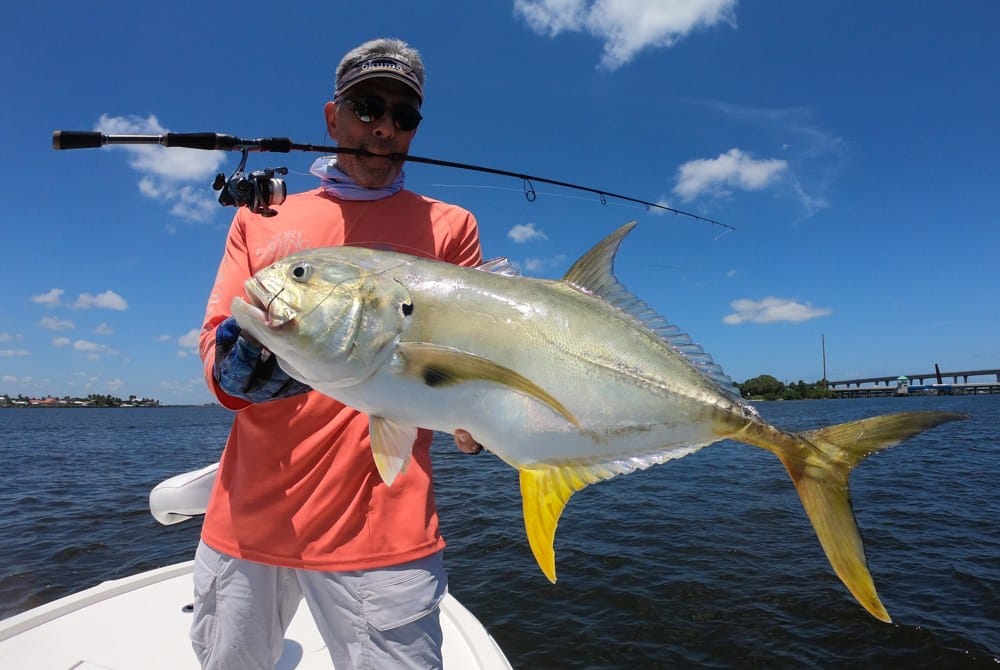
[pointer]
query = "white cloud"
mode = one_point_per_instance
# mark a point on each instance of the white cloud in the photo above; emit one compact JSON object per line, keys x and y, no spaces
{"x":61,"y":341}
{"x":106,"y":300}
{"x":522,"y":233}
{"x":162,"y":338}
{"x":733,"y":169}
{"x":815,"y":155}
{"x":541,"y":265}
{"x":10,"y":337}
{"x":190,"y":339}
{"x":103,"y":329}
{"x":93,"y":350}
{"x":165,"y":171}
{"x":625,"y":26}
{"x":51,"y":298}
{"x":53,"y":323}
{"x":12,"y":353}
{"x":771,"y":310}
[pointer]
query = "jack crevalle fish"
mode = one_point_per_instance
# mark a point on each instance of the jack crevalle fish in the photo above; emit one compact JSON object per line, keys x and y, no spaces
{"x":571,"y":382}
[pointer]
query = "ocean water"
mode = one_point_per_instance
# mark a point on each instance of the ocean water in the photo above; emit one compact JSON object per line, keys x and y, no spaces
{"x":708,"y":561}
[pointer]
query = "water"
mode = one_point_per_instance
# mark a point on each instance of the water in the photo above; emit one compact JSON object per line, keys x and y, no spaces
{"x":707,"y":561}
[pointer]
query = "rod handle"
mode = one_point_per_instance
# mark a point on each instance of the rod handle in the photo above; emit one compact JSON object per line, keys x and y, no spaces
{"x":76,"y":139}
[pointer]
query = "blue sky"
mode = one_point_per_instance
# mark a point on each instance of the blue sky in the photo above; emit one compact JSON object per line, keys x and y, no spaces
{"x":852,"y":145}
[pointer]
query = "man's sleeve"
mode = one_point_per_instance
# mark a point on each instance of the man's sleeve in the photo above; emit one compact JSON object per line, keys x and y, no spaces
{"x":233,"y":271}
{"x":465,"y":248}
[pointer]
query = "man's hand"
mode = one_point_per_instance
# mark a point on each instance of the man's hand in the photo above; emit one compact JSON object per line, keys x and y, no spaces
{"x":244,"y":369}
{"x":465,"y":442}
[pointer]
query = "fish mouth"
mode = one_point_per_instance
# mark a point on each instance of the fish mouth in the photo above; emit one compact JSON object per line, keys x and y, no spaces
{"x":267,"y":305}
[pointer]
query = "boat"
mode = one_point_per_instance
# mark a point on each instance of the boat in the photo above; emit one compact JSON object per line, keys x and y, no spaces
{"x":142,"y":621}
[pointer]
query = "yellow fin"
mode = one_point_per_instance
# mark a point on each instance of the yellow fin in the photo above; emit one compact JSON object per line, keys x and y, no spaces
{"x":392,"y":446}
{"x":545,"y":491}
{"x":820,"y":472}
{"x":443,"y":366}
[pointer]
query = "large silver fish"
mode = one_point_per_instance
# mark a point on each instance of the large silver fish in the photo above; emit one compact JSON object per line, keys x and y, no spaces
{"x":570,"y":382}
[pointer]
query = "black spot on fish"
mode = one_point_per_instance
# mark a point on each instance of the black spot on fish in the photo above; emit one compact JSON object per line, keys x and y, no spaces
{"x":407,"y":308}
{"x":435,"y":377}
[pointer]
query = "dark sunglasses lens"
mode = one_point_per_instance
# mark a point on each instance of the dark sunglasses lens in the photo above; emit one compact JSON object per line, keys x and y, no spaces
{"x":368,"y":109}
{"x":406,"y":118}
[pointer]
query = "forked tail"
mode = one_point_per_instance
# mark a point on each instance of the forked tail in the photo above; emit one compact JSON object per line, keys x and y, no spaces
{"x":820,"y":462}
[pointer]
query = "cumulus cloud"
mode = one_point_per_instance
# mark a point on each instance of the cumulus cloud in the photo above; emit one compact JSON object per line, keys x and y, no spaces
{"x":103,"y":329}
{"x":733,"y":169}
{"x":189,"y":343}
{"x":190,"y":339}
{"x":625,"y":26}
{"x":106,"y":300}
{"x":541,"y":265}
{"x":10,"y":337}
{"x":51,"y":299}
{"x":816,"y":156}
{"x":772,"y":310}
{"x":53,"y":323}
{"x":522,"y":233}
{"x":93,"y":350}
{"x":13,"y":353}
{"x":166,"y":172}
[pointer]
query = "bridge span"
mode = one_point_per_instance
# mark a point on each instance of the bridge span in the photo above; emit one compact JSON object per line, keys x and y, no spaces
{"x":869,"y":387}
{"x":920,"y":378}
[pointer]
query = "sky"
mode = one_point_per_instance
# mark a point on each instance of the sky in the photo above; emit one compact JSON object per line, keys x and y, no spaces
{"x":852,"y":146}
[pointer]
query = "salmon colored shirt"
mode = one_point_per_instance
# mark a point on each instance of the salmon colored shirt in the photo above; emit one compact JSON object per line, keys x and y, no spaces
{"x":297,"y":485}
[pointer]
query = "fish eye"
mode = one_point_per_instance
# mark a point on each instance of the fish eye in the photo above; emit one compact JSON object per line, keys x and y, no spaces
{"x":302,"y":272}
{"x":406,"y":308}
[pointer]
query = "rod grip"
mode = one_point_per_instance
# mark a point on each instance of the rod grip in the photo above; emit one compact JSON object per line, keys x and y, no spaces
{"x":76,"y":139}
{"x":209,"y":141}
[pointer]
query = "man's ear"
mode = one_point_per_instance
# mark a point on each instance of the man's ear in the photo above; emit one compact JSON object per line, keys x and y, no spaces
{"x":330,"y":112}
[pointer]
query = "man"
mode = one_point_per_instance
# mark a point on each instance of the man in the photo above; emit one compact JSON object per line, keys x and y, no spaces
{"x":298,"y":509}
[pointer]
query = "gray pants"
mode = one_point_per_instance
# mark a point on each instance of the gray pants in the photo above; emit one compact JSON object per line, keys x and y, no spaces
{"x":372,"y":619}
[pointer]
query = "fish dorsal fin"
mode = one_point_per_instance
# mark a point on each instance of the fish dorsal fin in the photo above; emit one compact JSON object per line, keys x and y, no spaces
{"x":445,"y":366}
{"x":500,"y":266}
{"x":392,"y":446}
{"x":594,"y":273}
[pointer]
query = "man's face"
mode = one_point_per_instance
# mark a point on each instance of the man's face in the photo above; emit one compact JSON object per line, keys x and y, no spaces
{"x":379,"y":136}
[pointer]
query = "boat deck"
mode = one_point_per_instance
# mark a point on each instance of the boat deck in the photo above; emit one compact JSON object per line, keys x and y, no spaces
{"x":142,"y":622}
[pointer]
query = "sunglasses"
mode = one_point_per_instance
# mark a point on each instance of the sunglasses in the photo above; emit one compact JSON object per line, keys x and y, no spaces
{"x":369,"y":108}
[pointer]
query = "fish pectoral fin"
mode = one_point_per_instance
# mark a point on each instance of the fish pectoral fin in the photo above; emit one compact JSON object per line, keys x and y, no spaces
{"x":545,"y":490}
{"x":444,"y":366}
{"x":392,"y":446}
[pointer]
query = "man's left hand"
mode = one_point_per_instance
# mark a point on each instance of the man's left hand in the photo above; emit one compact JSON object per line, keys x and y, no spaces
{"x":464,"y":441}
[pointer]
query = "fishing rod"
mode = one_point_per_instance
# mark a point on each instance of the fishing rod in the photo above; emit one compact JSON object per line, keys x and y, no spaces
{"x":261,"y":189}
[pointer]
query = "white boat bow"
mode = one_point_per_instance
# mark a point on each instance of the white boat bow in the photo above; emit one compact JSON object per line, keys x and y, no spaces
{"x":141,"y":622}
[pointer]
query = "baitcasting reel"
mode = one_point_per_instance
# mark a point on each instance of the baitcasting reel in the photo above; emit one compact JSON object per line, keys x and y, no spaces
{"x":257,"y":191}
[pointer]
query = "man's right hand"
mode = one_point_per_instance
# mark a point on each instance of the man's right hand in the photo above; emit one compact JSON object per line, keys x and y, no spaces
{"x":246,"y":370}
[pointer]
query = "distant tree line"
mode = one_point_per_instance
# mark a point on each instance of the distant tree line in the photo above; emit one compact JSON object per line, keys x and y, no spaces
{"x":92,"y":400}
{"x":766,"y":387}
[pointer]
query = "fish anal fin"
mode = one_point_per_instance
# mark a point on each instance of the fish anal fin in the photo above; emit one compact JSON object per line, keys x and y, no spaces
{"x":544,"y":493}
{"x":445,"y":366}
{"x":392,"y":446}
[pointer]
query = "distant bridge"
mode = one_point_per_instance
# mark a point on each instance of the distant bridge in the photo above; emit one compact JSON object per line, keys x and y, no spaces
{"x":919,"y":378}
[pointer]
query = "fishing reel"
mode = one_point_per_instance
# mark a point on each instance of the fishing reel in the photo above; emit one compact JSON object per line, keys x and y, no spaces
{"x":257,"y":191}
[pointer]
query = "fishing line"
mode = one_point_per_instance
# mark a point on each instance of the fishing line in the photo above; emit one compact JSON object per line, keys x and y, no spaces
{"x":261,"y":188}
{"x":548,"y":194}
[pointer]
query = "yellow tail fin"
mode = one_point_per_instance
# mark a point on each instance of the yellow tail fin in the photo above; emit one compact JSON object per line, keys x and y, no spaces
{"x":820,"y":464}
